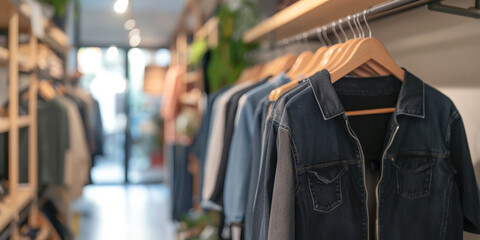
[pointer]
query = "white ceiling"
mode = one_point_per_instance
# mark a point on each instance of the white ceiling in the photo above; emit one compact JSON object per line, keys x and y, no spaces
{"x":101,"y":26}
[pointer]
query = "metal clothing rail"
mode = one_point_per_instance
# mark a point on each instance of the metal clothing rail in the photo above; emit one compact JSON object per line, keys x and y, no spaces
{"x":353,"y":21}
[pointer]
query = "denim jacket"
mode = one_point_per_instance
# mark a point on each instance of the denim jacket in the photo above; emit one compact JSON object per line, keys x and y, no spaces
{"x":427,"y":187}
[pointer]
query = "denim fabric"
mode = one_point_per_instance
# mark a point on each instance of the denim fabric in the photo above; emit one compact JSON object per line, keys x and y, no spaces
{"x":182,"y":181}
{"x":232,"y":107}
{"x":427,"y":188}
{"x":256,"y":146}
{"x":237,"y":176}
{"x":263,"y":193}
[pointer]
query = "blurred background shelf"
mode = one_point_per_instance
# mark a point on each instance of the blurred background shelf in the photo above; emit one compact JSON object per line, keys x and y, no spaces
{"x":23,"y":121}
{"x":4,"y":124}
{"x":6,"y":216}
{"x":305,"y":15}
{"x":25,"y":195}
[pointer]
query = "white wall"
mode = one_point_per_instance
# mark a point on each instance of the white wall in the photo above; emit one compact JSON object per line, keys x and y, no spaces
{"x":444,"y":51}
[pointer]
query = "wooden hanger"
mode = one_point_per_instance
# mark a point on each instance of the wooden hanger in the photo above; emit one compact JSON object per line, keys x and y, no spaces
{"x":244,"y":75}
{"x":61,"y":89}
{"x":268,"y":68}
{"x":300,"y":63}
{"x":372,"y":51}
{"x":46,"y":91}
{"x":277,"y":92}
{"x":313,"y":62}
{"x":282,"y":63}
{"x":256,"y":71}
{"x":368,"y":50}
{"x":286,"y":63}
{"x":340,"y":55}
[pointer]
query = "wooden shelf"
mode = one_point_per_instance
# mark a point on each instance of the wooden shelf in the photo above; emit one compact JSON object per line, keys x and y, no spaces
{"x":25,"y":195}
{"x":6,"y":216}
{"x":23,"y":121}
{"x":25,"y":63}
{"x":54,"y":37}
{"x":305,"y":15}
{"x":5,"y":6}
{"x":4,"y":124}
{"x":3,"y":55}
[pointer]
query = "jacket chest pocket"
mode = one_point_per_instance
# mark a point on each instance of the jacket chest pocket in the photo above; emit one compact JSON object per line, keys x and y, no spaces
{"x":325,"y":186}
{"x":413,"y":175}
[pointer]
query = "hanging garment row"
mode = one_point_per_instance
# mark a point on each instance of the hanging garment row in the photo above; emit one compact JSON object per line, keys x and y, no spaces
{"x":69,"y":133}
{"x":337,"y":144}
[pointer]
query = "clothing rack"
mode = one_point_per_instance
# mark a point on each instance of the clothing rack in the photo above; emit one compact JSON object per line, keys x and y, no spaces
{"x":21,"y":204}
{"x":321,"y":32}
{"x":351,"y":21}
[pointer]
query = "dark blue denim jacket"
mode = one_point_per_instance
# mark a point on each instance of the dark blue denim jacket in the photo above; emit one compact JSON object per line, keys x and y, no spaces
{"x":427,"y":188}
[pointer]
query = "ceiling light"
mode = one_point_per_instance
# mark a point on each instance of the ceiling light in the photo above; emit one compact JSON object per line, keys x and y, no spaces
{"x":112,"y":53}
{"x":129,"y":24}
{"x":134,"y":32}
{"x":120,"y":6}
{"x":135,"y":41}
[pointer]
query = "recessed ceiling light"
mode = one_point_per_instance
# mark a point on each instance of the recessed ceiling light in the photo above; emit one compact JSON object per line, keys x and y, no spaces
{"x":120,"y":6}
{"x":134,"y":32}
{"x":135,"y":41}
{"x":112,"y":53}
{"x":129,"y":24}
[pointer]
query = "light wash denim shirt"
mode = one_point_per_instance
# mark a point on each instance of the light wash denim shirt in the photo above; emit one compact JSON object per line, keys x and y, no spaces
{"x":236,"y":182}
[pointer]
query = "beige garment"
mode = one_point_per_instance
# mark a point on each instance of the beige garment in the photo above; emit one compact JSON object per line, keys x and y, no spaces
{"x":174,"y":87}
{"x":77,"y":157}
{"x":215,"y":144}
{"x":90,"y":114}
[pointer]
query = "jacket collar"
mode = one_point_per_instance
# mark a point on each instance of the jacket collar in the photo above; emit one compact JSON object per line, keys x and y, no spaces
{"x":411,"y":99}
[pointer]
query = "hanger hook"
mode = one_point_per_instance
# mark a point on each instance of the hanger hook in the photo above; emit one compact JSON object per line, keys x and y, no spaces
{"x":356,"y":26}
{"x":351,"y":28}
{"x":324,"y":28}
{"x":334,"y":28}
{"x":320,"y":37}
{"x":366,"y":23}
{"x":305,"y":39}
{"x":340,"y":23}
{"x":362,"y":33}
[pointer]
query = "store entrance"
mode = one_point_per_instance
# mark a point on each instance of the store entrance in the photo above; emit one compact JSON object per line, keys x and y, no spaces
{"x":131,"y":126}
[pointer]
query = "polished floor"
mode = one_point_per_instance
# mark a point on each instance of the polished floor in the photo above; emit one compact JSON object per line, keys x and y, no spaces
{"x":123,"y":212}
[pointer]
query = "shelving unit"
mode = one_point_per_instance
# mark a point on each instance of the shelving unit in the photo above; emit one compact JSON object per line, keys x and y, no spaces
{"x":305,"y":15}
{"x":6,"y":216}
{"x":3,"y":55}
{"x":25,"y":64}
{"x":21,"y":203}
{"x":25,"y":196}
{"x":23,"y":121}
{"x":4,"y":124}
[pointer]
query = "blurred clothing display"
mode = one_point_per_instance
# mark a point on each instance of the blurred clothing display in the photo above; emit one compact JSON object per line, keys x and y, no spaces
{"x":174,"y":87}
{"x":77,"y":157}
{"x":64,"y":150}
{"x":53,"y":141}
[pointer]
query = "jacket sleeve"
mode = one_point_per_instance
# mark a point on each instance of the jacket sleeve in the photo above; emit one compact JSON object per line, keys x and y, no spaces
{"x":465,"y":176}
{"x":261,"y":206}
{"x":282,"y":217}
